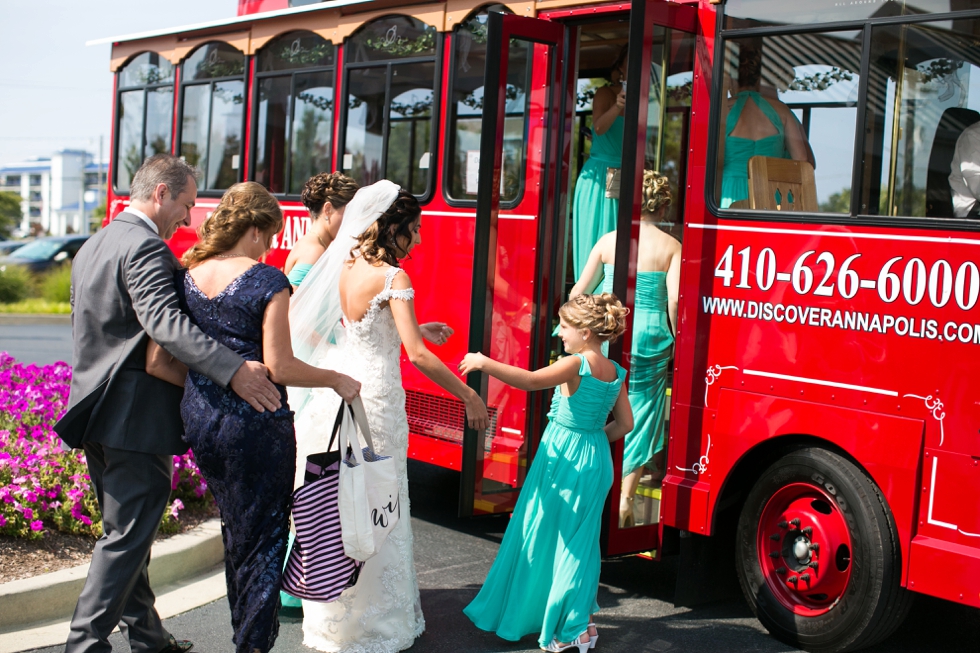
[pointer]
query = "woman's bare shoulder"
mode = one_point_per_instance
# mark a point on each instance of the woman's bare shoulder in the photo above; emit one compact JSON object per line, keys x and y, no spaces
{"x":607,"y":247}
{"x":605,"y":92}
{"x":671,"y":243}
{"x":400,"y":281}
{"x":307,"y":250}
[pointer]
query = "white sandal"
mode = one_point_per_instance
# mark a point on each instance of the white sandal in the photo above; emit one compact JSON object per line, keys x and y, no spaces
{"x":593,"y":638}
{"x":556,"y":647}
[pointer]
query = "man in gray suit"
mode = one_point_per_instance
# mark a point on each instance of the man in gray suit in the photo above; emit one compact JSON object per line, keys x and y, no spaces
{"x":128,"y":422}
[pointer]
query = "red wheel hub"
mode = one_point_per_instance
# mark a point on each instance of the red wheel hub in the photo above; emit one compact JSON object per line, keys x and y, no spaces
{"x":804,"y":549}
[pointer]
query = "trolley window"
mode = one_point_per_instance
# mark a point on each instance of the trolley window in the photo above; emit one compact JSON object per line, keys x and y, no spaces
{"x":466,"y":110}
{"x":294,"y":112}
{"x":144,"y":110}
{"x":390,"y":69}
{"x":790,"y":97}
{"x":212,"y":112}
{"x":755,"y":13}
{"x":922,"y":150}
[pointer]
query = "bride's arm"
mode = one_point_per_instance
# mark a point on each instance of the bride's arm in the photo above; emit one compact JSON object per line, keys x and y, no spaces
{"x":403,"y":310}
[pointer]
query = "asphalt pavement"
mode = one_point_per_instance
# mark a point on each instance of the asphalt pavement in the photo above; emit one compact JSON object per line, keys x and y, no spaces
{"x":41,"y":344}
{"x":453,"y":556}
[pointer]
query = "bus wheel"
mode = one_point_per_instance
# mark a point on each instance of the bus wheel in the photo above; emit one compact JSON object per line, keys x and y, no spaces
{"x":818,"y":554}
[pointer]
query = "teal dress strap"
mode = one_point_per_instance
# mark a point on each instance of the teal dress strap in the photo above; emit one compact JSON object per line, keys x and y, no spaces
{"x":298,"y":273}
{"x":583,"y":369}
{"x":620,"y":372}
{"x":761,"y":102}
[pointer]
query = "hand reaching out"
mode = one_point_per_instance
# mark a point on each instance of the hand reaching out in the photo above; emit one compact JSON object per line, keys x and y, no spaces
{"x":472,"y":363}
{"x":437,"y":333}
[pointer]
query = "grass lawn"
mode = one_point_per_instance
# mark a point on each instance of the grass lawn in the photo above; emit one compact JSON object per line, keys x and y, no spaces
{"x":35,"y":305}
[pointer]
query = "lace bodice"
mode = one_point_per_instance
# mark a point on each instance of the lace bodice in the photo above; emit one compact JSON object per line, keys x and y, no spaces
{"x":372,"y":352}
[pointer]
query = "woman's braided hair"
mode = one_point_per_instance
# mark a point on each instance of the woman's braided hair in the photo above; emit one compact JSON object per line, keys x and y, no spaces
{"x":242,"y":207}
{"x":334,"y":187}
{"x":379,"y":243}
{"x":656,"y":192}
{"x":603,"y":315}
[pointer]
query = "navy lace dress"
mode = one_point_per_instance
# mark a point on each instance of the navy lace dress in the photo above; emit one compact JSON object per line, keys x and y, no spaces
{"x":248,"y":458}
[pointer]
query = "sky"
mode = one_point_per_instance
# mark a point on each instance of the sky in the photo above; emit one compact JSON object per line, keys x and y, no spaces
{"x":56,"y":92}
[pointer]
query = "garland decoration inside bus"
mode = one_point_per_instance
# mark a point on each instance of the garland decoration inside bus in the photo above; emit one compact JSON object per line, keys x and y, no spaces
{"x":391,"y":68}
{"x":213,"y":113}
{"x":293,"y":130}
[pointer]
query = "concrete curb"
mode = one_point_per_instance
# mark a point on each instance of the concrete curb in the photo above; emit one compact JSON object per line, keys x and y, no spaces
{"x":48,"y":597}
{"x":22,"y":319}
{"x":171,"y":601}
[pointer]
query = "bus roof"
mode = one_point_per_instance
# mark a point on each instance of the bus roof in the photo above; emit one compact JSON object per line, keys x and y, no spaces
{"x":237,"y":20}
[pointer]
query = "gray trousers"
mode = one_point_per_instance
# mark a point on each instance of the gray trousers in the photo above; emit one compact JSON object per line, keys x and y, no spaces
{"x":132,"y":489}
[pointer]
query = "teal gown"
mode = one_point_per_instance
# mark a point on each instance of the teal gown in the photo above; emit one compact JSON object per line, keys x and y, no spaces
{"x":738,"y":151}
{"x":594,"y":214}
{"x":650,"y":355}
{"x":546,"y":574}
{"x":296,"y":276}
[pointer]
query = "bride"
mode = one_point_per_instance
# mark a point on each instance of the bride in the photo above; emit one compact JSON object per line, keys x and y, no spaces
{"x":360,"y":278}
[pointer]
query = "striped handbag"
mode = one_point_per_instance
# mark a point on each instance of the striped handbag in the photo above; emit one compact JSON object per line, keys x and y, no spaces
{"x":318,"y":569}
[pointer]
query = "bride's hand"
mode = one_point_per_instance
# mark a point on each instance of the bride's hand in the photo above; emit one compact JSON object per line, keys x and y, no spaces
{"x":347,"y":387}
{"x":471,"y":363}
{"x":476,"y":413}
{"x":436,"y":332}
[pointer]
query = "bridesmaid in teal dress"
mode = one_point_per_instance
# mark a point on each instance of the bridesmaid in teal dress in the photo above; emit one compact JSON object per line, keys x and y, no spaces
{"x":325,"y":196}
{"x":755,"y":126}
{"x":654,"y":318}
{"x":593,"y":213}
{"x":546,"y":575}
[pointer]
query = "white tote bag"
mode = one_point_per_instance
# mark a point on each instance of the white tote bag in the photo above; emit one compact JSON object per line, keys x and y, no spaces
{"x":369,"y":506}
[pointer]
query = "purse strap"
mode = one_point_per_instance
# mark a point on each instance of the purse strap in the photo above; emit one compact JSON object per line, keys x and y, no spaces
{"x":336,"y":424}
{"x":357,"y":412}
{"x":360,"y":418}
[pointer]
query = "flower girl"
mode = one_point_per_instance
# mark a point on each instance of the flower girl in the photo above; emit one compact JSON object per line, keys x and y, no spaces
{"x":546,"y":574}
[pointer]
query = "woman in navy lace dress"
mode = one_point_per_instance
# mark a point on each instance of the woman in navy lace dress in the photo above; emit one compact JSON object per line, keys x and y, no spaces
{"x":247,"y":457}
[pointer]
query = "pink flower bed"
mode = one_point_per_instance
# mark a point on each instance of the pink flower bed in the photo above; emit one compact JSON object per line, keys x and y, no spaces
{"x":41,"y":485}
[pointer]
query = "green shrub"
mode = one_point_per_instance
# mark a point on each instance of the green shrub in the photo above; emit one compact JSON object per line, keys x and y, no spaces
{"x":15,"y":284}
{"x":56,"y":285}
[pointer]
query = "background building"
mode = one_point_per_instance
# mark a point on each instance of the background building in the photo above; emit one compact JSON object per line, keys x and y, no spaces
{"x":58,"y":193}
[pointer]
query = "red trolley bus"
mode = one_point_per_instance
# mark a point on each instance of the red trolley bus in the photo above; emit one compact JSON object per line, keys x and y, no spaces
{"x":822,"y":435}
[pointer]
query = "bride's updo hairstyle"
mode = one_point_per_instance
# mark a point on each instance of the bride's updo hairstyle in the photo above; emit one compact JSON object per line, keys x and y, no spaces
{"x":242,"y":207}
{"x":656,"y":192}
{"x":379,"y":242}
{"x":603,"y":315}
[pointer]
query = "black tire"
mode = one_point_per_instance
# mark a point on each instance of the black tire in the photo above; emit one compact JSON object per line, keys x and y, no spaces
{"x":873,"y":604}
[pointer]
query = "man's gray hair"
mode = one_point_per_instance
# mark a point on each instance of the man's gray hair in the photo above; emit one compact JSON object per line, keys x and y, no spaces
{"x":161,"y":169}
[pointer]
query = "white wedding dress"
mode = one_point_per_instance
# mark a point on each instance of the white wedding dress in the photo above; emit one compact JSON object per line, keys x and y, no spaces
{"x":381,"y":613}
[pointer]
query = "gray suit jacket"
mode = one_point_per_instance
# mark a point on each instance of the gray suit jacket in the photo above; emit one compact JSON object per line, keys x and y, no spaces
{"x":122,"y":289}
